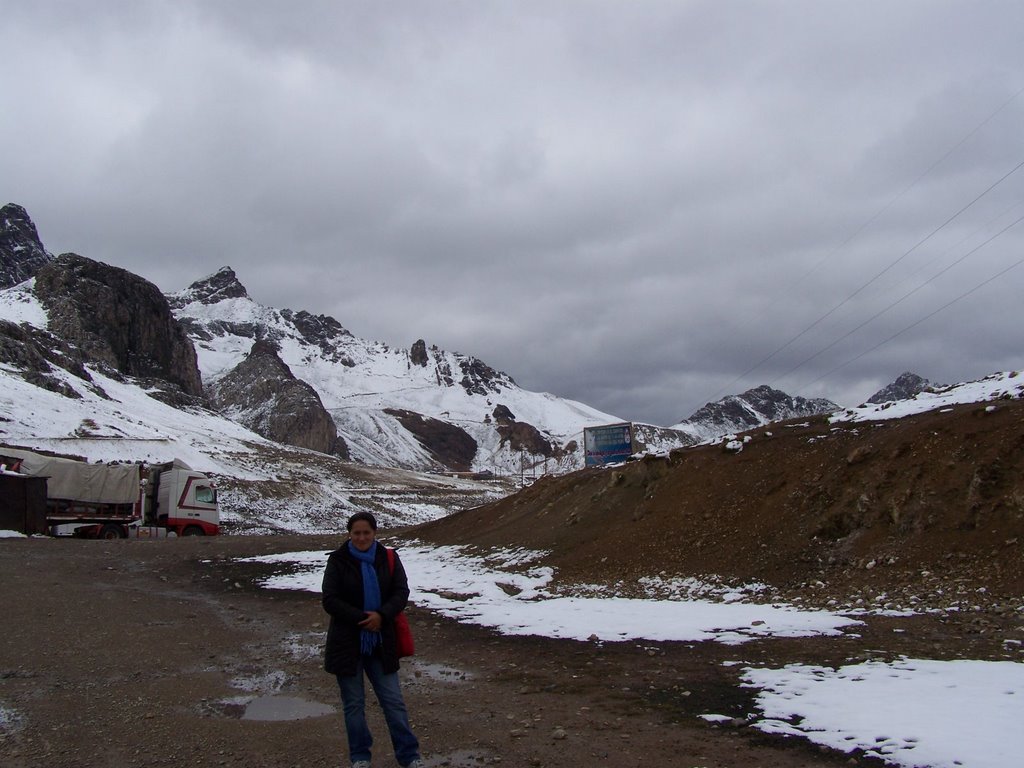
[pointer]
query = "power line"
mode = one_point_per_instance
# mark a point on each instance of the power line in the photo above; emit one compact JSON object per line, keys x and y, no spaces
{"x":865,"y":225}
{"x":962,"y":240}
{"x":930,"y":315}
{"x":898,"y":301}
{"x":872,"y":280}
{"x":906,"y":253}
{"x":906,"y":189}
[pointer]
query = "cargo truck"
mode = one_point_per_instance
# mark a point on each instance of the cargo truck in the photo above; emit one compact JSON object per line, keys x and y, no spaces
{"x":113,"y":501}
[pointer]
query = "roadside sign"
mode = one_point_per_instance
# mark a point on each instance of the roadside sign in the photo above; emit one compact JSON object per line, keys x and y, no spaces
{"x":608,"y":444}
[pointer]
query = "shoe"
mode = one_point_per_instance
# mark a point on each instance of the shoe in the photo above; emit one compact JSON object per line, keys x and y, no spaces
{"x":417,"y":763}
{"x":361,"y":764}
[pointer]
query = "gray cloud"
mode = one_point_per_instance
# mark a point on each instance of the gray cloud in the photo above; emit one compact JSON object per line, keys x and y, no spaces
{"x":628,"y":204}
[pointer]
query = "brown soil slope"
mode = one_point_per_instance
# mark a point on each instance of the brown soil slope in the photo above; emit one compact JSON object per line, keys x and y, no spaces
{"x":919,"y":505}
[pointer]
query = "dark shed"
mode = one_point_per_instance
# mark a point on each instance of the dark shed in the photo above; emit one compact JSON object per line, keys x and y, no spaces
{"x":22,"y":503}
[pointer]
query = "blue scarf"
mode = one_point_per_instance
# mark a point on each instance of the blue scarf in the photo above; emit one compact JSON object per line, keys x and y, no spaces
{"x":371,"y":594}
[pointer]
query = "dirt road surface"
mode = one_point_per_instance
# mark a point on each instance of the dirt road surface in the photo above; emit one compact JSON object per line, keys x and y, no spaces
{"x":152,"y":653}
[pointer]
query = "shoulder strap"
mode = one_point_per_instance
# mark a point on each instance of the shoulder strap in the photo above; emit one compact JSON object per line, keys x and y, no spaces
{"x":391,"y":559}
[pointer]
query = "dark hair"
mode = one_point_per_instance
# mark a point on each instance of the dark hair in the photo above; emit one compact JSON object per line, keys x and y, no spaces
{"x":362,"y":516}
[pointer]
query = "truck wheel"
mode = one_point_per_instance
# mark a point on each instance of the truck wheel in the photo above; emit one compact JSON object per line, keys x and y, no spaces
{"x":193,"y":530}
{"x":111,"y":531}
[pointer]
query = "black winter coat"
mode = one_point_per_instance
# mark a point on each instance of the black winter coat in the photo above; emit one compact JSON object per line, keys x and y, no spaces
{"x":343,"y":600}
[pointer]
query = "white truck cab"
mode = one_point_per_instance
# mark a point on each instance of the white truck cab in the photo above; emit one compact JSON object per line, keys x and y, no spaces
{"x":186,"y":502}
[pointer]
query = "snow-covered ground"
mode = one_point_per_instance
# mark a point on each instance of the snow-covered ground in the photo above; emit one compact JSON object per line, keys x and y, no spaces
{"x":19,"y":305}
{"x":913,"y":713}
{"x":517,"y":603}
{"x":126,"y":425}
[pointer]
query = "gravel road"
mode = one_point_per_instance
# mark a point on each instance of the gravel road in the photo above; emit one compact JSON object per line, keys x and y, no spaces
{"x":167,"y":653}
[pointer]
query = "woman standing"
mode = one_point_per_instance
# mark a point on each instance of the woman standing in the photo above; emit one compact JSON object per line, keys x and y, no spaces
{"x":363,"y":595}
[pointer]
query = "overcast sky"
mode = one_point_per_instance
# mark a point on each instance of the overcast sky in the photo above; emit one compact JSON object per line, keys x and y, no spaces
{"x":644,"y":206}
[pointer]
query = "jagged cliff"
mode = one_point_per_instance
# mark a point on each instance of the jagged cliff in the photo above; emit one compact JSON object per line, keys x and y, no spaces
{"x":262,"y":393}
{"x":21,"y":251}
{"x":117,"y":319}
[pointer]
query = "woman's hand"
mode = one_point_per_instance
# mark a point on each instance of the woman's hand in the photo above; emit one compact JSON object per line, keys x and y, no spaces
{"x":372,"y":622}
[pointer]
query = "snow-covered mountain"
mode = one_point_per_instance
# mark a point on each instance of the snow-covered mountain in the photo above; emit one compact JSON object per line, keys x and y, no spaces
{"x":108,"y":391}
{"x":303,"y":379}
{"x":93,"y":365}
{"x":289,"y":376}
{"x":906,"y":386}
{"x":754,"y":408}
{"x":401,"y":407}
{"x":263,"y":486}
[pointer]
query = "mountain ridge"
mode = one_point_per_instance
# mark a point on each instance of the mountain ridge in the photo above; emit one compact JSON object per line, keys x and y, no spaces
{"x":101,"y":394}
{"x":364,"y":384}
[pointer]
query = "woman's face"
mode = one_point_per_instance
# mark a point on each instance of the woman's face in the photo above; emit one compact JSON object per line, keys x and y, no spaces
{"x":362,"y":535}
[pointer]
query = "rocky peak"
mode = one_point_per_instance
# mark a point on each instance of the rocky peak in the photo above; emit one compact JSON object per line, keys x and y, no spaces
{"x":503,"y":415}
{"x":21,"y":251}
{"x":269,"y":349}
{"x":757,"y":406}
{"x":321,"y":330}
{"x":904,"y":388}
{"x":777,"y":405}
{"x":479,"y":378}
{"x":119,"y":319}
{"x":418,"y":353}
{"x":263,"y":394}
{"x":222,"y":284}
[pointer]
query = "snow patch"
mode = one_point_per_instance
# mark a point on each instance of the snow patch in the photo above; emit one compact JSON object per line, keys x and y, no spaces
{"x":477,"y":590}
{"x":910,"y":712}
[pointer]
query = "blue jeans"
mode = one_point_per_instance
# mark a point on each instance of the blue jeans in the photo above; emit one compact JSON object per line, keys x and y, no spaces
{"x":389,"y":694}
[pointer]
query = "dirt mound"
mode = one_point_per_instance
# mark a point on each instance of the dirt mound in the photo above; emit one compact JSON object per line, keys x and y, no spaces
{"x":925,"y":506}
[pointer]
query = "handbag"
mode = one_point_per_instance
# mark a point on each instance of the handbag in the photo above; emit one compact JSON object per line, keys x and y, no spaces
{"x":403,"y":634}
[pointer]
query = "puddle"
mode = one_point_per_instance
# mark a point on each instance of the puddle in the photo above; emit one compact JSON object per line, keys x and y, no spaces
{"x":423,"y":672}
{"x":285,"y":708}
{"x":263,"y":700}
{"x":233,"y":707}
{"x":265,"y":708}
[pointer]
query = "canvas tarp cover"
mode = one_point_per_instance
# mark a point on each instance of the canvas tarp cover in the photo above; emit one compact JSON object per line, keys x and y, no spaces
{"x":94,"y":483}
